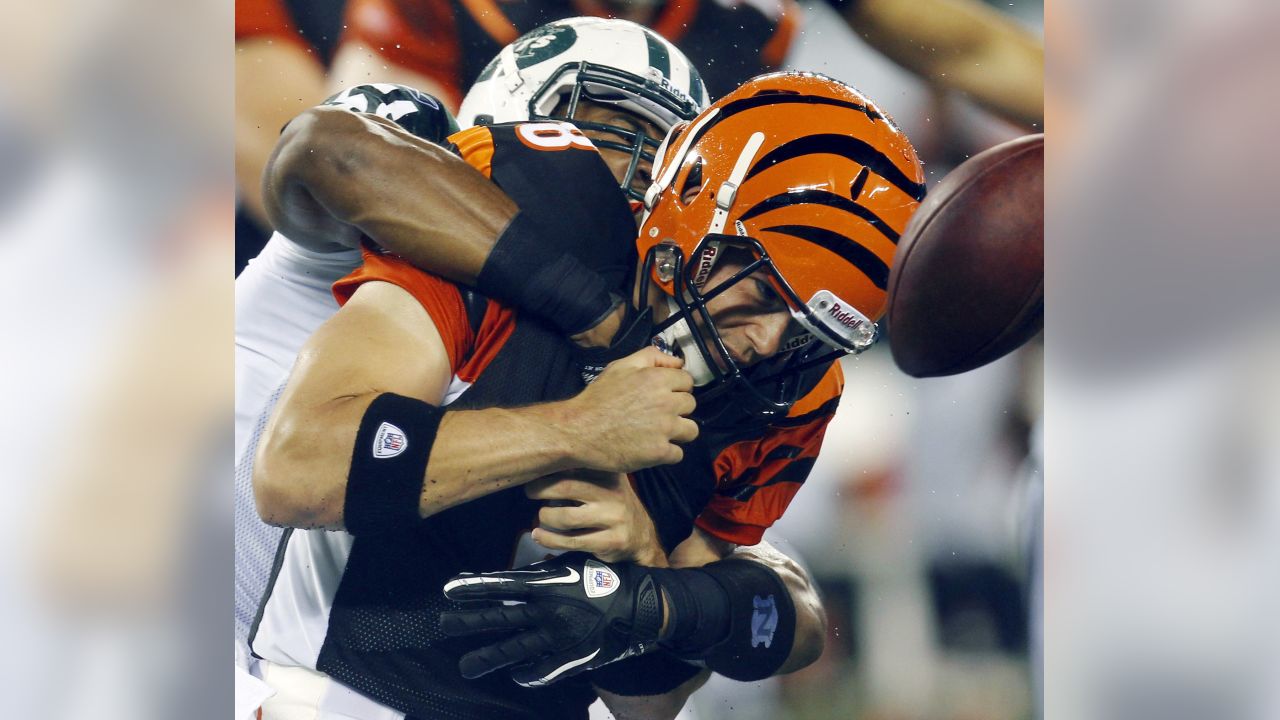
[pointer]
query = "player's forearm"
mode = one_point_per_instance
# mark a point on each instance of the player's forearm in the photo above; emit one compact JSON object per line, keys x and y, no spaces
{"x":962,"y":45}
{"x":811,"y":619}
{"x":274,"y":82}
{"x":408,"y":195}
{"x":305,"y":458}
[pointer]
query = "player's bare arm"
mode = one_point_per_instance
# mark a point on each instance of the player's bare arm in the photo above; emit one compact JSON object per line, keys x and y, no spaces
{"x":296,"y":81}
{"x":336,"y":175}
{"x":962,"y":45}
{"x":383,"y":341}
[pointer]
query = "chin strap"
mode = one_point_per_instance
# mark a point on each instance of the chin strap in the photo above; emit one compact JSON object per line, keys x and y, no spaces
{"x":681,"y":337}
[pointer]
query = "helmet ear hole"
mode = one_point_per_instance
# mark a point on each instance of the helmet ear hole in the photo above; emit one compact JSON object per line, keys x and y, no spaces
{"x":692,"y":183}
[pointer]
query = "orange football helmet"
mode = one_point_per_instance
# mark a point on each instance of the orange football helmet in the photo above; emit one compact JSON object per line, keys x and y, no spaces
{"x":812,"y":179}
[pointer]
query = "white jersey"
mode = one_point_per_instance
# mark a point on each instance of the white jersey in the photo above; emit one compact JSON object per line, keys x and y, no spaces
{"x":281,"y":298}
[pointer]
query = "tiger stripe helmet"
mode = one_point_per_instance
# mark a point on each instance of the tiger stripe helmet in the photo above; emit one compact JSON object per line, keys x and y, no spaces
{"x":803,"y":164}
{"x":807,"y":174}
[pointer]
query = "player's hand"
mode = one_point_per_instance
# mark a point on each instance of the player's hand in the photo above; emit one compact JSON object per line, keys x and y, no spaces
{"x":601,"y":335}
{"x":634,"y":415}
{"x":578,"y":614}
{"x":595,"y":512}
{"x":621,"y":333}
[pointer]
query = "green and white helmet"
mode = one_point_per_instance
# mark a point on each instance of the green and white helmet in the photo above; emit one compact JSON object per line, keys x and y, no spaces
{"x":609,"y":62}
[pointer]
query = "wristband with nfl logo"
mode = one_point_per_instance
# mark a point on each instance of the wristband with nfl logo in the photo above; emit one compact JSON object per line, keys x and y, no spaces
{"x":389,"y":464}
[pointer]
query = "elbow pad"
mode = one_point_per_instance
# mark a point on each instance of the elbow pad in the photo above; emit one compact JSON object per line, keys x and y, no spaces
{"x":415,"y":111}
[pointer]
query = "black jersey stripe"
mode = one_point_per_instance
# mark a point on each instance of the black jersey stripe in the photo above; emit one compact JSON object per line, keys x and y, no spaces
{"x":773,"y":98}
{"x":852,"y":148}
{"x":796,"y":471}
{"x":276,"y":566}
{"x":776,"y":98}
{"x":821,"y":197}
{"x":863,"y":259}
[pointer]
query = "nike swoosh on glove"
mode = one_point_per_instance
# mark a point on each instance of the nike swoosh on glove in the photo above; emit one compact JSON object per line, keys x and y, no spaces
{"x":577,"y":614}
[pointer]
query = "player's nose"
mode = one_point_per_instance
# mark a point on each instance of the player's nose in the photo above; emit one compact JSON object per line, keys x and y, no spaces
{"x":765,"y":334}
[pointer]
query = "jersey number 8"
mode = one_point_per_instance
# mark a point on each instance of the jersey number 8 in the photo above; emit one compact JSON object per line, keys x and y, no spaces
{"x":553,"y":136}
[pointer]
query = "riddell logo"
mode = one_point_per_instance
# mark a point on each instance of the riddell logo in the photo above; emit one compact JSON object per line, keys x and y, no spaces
{"x":844,"y":317}
{"x":705,"y":262}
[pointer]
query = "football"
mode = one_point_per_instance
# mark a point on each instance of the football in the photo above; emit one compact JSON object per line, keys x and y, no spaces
{"x":967,"y":283}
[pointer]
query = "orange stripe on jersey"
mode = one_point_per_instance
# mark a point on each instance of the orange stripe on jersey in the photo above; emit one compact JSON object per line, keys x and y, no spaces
{"x":440,"y":298}
{"x":498,"y":324}
{"x":742,"y":461}
{"x":830,"y":386}
{"x":475,"y":145}
{"x":745,"y":524}
{"x":675,"y":19}
{"x":757,"y":477}
{"x":492,"y":20}
{"x":774,"y":51}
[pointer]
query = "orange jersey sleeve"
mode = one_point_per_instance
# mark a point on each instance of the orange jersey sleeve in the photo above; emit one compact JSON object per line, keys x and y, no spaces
{"x":440,"y":298}
{"x":475,"y":145}
{"x":776,"y":50}
{"x":266,"y":18}
{"x":756,"y":478}
{"x":417,"y":35}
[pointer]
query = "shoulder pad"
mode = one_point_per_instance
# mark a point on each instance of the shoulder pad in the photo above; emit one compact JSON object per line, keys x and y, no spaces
{"x":413,"y":110}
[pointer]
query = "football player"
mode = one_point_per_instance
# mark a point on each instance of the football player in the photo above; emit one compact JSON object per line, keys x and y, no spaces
{"x":757,"y":313}
{"x":442,"y":46}
{"x":283,"y":295}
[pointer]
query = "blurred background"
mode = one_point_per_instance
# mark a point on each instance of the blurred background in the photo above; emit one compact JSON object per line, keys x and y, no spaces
{"x":1156,"y":417}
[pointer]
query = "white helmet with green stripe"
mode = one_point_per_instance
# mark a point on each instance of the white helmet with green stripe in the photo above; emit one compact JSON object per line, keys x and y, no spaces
{"x":609,"y":62}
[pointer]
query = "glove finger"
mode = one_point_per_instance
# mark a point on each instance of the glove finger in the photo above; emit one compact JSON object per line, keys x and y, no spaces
{"x":514,"y":650}
{"x":547,"y":670}
{"x":470,"y":622}
{"x":486,"y":586}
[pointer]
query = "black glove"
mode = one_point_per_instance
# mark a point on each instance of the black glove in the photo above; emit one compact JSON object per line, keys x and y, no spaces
{"x":579,"y":613}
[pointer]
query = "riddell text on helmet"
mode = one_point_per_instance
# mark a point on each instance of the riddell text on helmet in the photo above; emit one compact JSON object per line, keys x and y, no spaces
{"x":705,"y":262}
{"x":844,"y":317}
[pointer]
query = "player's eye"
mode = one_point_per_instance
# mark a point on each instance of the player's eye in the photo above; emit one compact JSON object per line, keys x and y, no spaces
{"x":766,"y":296}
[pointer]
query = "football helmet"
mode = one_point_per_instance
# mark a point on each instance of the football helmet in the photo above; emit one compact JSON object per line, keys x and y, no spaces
{"x":813,"y":183}
{"x":609,"y":62}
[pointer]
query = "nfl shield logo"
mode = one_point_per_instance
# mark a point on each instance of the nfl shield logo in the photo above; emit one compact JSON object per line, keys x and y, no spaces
{"x":603,"y":580}
{"x":599,"y":580}
{"x":389,"y":441}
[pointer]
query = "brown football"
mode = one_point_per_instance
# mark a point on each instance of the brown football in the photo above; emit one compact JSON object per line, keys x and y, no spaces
{"x":967,"y":284}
